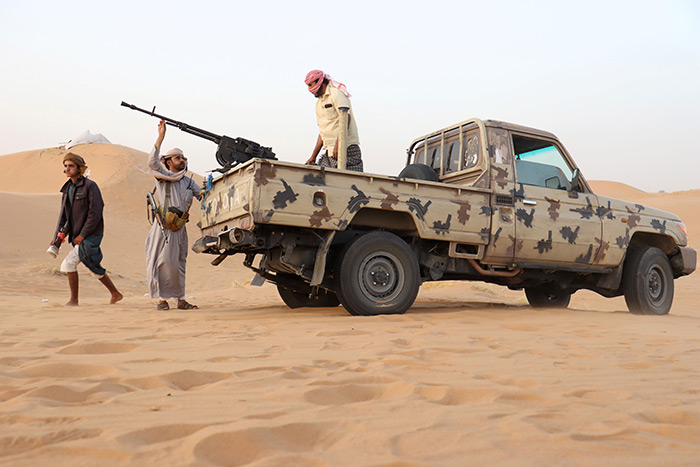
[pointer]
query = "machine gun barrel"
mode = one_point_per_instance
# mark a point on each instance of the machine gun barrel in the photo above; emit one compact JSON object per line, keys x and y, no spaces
{"x":230,"y":151}
{"x":187,"y":128}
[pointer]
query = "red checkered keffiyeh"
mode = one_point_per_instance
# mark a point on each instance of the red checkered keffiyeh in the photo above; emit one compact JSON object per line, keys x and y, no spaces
{"x":319,"y":76}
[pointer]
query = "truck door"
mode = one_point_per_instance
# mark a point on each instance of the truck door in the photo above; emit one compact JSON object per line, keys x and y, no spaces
{"x":554,"y":225}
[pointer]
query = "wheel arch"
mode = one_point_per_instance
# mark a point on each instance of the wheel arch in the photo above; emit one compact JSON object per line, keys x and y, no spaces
{"x":611,"y":283}
{"x":664,"y":243}
{"x":401,"y":223}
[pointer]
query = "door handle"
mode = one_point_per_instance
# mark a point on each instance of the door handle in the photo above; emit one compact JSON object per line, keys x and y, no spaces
{"x":530,"y":202}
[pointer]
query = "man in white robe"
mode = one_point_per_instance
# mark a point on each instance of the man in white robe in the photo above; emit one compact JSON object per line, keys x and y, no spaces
{"x":166,"y":261}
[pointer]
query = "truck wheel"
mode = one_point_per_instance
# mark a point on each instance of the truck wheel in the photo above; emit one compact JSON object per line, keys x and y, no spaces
{"x":419,"y":172}
{"x":300,"y":299}
{"x":544,"y":297}
{"x":377,"y":274}
{"x":647,"y":282}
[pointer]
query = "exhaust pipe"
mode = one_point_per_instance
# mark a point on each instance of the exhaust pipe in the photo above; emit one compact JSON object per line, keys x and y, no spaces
{"x":241,"y":237}
{"x":485,"y":272}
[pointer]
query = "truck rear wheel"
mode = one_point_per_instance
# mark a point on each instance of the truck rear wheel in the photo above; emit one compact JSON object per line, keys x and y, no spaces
{"x":545,"y":297}
{"x":377,"y":274}
{"x":647,"y":282}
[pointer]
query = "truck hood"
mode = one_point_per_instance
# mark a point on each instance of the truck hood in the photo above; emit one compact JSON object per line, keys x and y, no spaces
{"x":640,"y":208}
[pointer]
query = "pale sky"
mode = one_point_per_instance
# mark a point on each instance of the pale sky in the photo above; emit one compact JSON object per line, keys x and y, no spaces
{"x":617,"y":81}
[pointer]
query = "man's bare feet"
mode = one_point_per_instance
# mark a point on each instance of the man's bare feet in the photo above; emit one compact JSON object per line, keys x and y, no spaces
{"x":72,"y":303}
{"x":115,"y":298}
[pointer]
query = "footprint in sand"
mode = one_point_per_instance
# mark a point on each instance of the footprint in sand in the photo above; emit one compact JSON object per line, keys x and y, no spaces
{"x":66,"y":370}
{"x":19,"y":361}
{"x":243,"y":447}
{"x":360,"y":390}
{"x":58,"y":343}
{"x":58,"y":394}
{"x":18,"y":332}
{"x":607,"y":435}
{"x":446,"y":395}
{"x":159,"y":434}
{"x":184,"y":380}
{"x":669,"y":417}
{"x":522,"y":327}
{"x":10,"y":445}
{"x":302,"y":372}
{"x":260,"y":371}
{"x":64,"y":395}
{"x":600,"y":396}
{"x":221,"y":358}
{"x":16,"y":418}
{"x":349,"y":332}
{"x":522,"y":398}
{"x":266,"y":415}
{"x":554,"y":422}
{"x":505,"y":380}
{"x":96,"y":348}
{"x":189,"y":379}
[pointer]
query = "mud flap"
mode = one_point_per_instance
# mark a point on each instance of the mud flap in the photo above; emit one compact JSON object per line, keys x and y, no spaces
{"x":258,"y":280}
{"x":320,"y":263}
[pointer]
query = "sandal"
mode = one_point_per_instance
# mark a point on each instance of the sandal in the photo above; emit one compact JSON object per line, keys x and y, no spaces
{"x":163,"y":305}
{"x":184,"y":305}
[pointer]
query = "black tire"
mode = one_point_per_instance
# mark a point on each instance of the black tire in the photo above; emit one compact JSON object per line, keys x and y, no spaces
{"x":377,"y":274}
{"x":546,"y":297}
{"x":300,"y":298}
{"x":419,"y":172}
{"x":647,"y":282}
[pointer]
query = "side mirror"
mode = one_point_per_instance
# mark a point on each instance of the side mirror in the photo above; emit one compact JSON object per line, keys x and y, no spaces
{"x":576,"y":181}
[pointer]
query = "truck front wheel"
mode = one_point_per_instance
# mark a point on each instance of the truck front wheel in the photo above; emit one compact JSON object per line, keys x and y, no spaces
{"x":377,"y":274}
{"x":648,"y":282}
{"x":543,"y":297}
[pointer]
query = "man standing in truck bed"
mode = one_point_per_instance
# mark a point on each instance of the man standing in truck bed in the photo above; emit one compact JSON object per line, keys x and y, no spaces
{"x":333,"y":96}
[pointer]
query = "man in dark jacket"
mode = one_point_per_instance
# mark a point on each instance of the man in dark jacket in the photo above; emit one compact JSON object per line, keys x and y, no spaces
{"x":81,"y":215}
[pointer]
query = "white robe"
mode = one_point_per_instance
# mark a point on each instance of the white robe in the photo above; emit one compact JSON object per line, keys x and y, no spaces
{"x":166,"y":262}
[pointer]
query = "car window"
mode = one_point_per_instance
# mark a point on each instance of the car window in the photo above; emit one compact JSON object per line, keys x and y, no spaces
{"x":452,"y":153}
{"x":540,"y":163}
{"x":434,"y":157}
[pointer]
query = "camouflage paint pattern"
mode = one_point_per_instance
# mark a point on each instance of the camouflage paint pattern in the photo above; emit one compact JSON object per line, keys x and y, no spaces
{"x":289,"y":194}
{"x":511,"y":223}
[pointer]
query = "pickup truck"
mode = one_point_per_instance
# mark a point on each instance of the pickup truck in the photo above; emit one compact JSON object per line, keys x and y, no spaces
{"x":478,"y":201}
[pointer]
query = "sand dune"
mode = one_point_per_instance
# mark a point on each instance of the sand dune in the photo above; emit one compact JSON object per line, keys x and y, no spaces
{"x":471,"y":375}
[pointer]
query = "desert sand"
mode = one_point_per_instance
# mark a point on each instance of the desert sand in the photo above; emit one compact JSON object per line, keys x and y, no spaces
{"x":470,"y":375}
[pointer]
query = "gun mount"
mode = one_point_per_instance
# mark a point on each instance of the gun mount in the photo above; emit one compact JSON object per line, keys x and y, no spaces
{"x":230,"y":151}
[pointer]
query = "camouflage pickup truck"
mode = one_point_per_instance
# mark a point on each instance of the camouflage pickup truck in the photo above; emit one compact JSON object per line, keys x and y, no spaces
{"x":479,"y":201}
